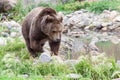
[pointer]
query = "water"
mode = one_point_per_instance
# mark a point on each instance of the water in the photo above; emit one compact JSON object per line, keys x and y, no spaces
{"x":111,"y":50}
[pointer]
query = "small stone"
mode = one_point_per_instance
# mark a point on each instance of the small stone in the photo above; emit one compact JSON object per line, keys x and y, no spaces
{"x":78,"y":12}
{"x":92,"y":44}
{"x":73,"y":76}
{"x":115,"y":40}
{"x":97,"y":25}
{"x":104,"y":29}
{"x":71,"y":62}
{"x":116,"y":19}
{"x":116,"y":79}
{"x":94,"y":53}
{"x":113,"y":14}
{"x":118,"y":62}
{"x":3,"y":41}
{"x":57,"y":59}
{"x":8,"y":5}
{"x":13,"y":34}
{"x":4,"y":34}
{"x":45,"y":57}
{"x":105,"y":24}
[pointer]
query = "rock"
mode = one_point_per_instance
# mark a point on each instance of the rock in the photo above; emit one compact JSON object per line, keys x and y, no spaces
{"x":73,"y":76}
{"x":77,"y":46}
{"x":64,"y":1}
{"x":104,"y":29}
{"x":113,"y":14}
{"x":105,"y":24}
{"x":84,"y":11}
{"x":97,"y":25}
{"x":78,"y":12}
{"x":71,"y":62}
{"x":4,"y":34}
{"x":45,"y":57}
{"x":94,"y":53}
{"x":114,"y":39}
{"x":10,"y":24}
{"x":118,"y":62}
{"x":24,"y":75}
{"x":83,"y":24}
{"x":92,"y":44}
{"x":8,"y":5}
{"x":116,"y":19}
{"x":57,"y":59}
{"x":65,"y":21}
{"x":3,"y":41}
{"x":13,"y":34}
{"x":116,"y":79}
{"x":39,"y":2}
{"x":112,"y":27}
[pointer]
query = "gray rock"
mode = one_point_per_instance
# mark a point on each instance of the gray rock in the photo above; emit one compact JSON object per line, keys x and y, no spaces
{"x":118,"y":62}
{"x":113,"y":14}
{"x":73,"y":76}
{"x":45,"y":57}
{"x":116,"y":19}
{"x":82,"y":24}
{"x":97,"y":25}
{"x":78,"y":12}
{"x":116,"y":79}
{"x":10,"y":24}
{"x":3,"y":41}
{"x":6,"y":5}
{"x":4,"y":34}
{"x":38,"y":2}
{"x":71,"y":62}
{"x":92,"y":44}
{"x":57,"y":59}
{"x":105,"y":24}
{"x":66,"y":21}
{"x":84,"y":11}
{"x":13,"y":34}
{"x":114,"y":39}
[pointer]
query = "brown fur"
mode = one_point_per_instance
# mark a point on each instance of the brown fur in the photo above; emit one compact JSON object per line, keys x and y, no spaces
{"x":40,"y":25}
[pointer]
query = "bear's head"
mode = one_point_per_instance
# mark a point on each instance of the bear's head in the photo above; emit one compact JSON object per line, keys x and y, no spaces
{"x":51,"y":24}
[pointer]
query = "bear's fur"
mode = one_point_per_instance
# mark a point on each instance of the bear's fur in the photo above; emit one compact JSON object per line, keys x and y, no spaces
{"x":40,"y":25}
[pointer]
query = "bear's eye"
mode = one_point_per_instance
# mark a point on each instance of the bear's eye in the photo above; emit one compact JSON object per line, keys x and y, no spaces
{"x":53,"y":31}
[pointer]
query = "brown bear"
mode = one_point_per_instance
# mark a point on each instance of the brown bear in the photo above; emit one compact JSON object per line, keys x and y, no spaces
{"x":40,"y":25}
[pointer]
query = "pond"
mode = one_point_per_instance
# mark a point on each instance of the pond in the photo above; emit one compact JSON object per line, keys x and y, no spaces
{"x":111,"y":50}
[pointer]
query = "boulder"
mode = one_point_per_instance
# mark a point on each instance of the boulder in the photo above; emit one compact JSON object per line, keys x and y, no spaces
{"x":45,"y":57}
{"x":73,"y":76}
{"x":6,"y":5}
{"x":3,"y":41}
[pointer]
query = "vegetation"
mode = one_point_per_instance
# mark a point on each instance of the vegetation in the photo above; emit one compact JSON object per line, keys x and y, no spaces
{"x":72,"y":5}
{"x":16,"y":64}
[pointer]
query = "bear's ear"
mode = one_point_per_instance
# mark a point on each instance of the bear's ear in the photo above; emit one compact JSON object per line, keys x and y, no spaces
{"x":60,"y":19}
{"x":60,"y":16}
{"x":47,"y":11}
{"x":49,"y":19}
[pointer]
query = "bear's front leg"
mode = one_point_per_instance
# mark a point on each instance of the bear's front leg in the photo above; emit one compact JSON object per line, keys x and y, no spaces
{"x":54,"y":46}
{"x":37,"y":46}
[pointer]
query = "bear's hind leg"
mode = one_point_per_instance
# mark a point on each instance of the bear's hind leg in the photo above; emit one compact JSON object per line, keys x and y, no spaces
{"x":32,"y":52}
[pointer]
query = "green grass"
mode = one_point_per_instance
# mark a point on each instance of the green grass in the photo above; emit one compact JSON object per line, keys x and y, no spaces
{"x":19,"y":12}
{"x":100,"y":6}
{"x":16,"y":62}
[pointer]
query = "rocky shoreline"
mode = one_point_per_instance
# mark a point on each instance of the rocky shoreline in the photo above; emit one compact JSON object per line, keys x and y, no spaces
{"x":81,"y":33}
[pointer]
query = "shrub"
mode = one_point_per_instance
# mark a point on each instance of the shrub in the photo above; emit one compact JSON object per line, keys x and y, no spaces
{"x":76,"y":6}
{"x":103,"y":71}
{"x":99,"y":6}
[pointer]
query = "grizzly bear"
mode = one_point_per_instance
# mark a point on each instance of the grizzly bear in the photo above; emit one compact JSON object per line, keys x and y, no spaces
{"x":40,"y":25}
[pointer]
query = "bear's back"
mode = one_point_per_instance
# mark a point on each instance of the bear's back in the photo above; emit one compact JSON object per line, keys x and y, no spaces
{"x":28,"y":20}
